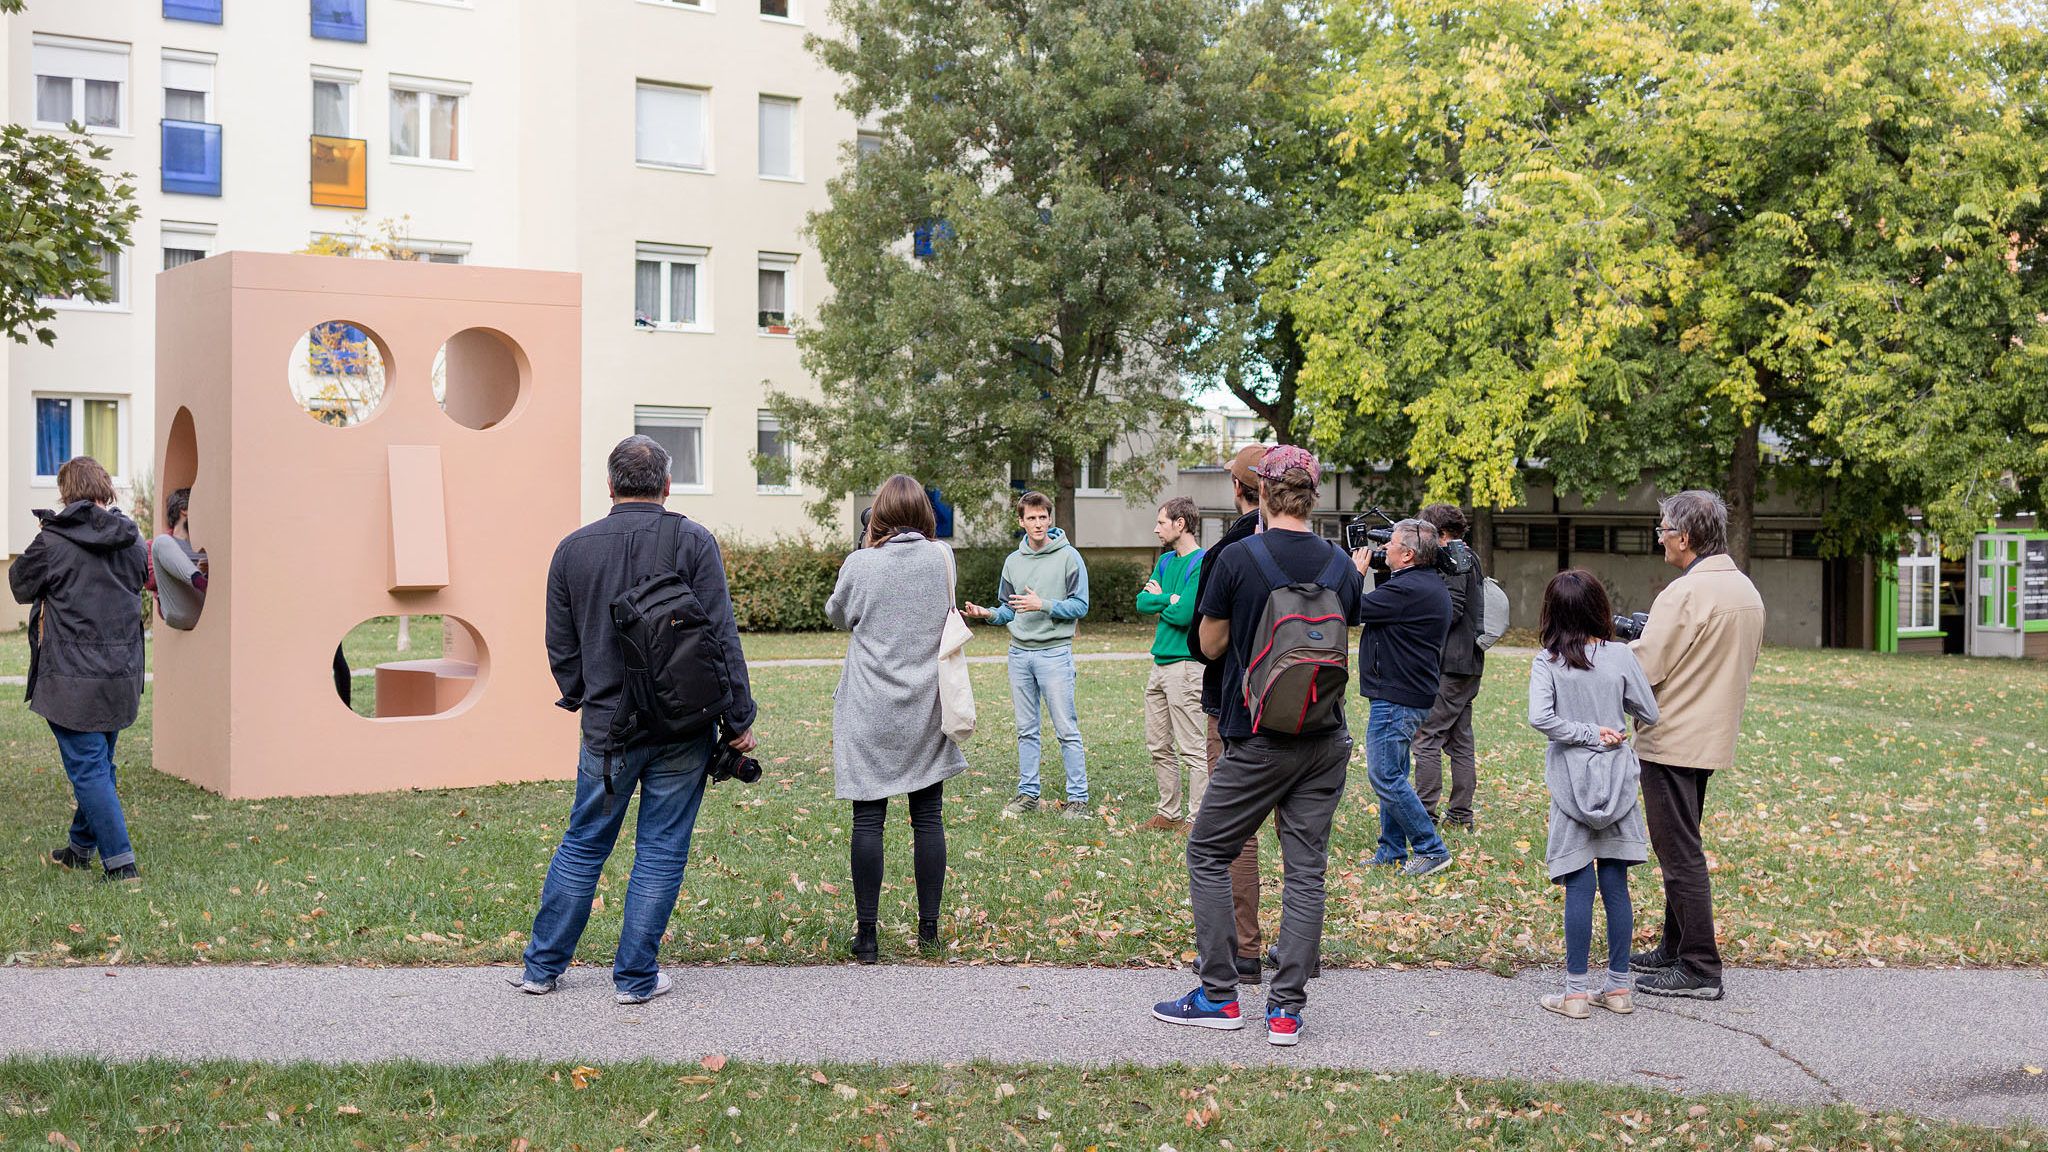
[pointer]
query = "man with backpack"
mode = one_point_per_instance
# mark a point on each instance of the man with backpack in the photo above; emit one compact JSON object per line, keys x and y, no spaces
{"x":1276,"y":609}
{"x":1403,"y":622}
{"x":1448,"y":727}
{"x":642,"y":641}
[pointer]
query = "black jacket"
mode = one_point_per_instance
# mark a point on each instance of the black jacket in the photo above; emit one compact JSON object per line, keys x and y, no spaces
{"x":1462,"y":654}
{"x":592,"y":566}
{"x":1212,"y":670}
{"x":1400,"y":648}
{"x":83,"y":573}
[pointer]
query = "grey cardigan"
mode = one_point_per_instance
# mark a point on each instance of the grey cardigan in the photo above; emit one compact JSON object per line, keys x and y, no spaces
{"x":886,"y":735}
{"x":1593,"y":809}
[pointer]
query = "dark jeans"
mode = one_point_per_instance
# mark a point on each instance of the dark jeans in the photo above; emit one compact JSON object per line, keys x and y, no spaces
{"x":1404,"y":825}
{"x":670,"y":778}
{"x":1299,"y":780}
{"x":1578,"y":915}
{"x":1244,"y":873}
{"x":97,"y":823}
{"x":1448,"y":730}
{"x":1673,"y":800}
{"x":927,"y":852}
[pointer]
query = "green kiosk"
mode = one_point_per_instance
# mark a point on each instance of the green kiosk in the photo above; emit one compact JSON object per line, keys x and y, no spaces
{"x":2008,"y":606}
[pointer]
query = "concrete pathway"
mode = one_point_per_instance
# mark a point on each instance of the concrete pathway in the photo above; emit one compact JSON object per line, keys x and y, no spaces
{"x":1945,"y":1044}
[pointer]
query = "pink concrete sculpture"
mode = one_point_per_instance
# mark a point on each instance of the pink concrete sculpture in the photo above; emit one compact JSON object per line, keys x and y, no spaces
{"x":416,"y":454}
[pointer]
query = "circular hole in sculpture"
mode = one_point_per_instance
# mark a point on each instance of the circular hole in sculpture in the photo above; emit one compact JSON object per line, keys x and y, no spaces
{"x":479,"y":375}
{"x":337,"y":373}
{"x":178,"y":561}
{"x":409,"y":667}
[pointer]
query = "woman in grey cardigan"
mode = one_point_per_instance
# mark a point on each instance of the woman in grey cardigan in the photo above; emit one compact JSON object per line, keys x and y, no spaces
{"x":1580,"y":687}
{"x":894,"y":594}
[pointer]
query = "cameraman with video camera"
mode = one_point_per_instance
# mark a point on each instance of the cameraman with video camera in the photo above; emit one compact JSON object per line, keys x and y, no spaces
{"x":1447,"y":730}
{"x":1405,"y":619}
{"x":669,"y":720}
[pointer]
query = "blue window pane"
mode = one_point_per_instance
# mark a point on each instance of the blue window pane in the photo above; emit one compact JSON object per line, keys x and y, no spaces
{"x":197,"y":11}
{"x":191,"y":157}
{"x":925,"y":238}
{"x":53,"y":435}
{"x":338,"y":349}
{"x":942,"y":512}
{"x":341,"y":20}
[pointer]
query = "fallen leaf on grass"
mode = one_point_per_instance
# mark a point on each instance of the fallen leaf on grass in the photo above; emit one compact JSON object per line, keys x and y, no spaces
{"x":348,"y":1110}
{"x":581,"y":1075}
{"x":846,"y":1091}
{"x":63,"y":1141}
{"x":712,"y":1063}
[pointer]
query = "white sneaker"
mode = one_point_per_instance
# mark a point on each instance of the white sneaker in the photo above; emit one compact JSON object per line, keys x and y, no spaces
{"x":662,"y":987}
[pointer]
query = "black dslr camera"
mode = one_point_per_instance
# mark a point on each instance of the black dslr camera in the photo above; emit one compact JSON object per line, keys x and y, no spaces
{"x":729,"y":763}
{"x":1630,"y":627}
{"x":1453,"y":557}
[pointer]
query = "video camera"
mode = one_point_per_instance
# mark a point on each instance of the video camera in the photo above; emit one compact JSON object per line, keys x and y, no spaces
{"x":1453,"y":557}
{"x":1630,"y":627}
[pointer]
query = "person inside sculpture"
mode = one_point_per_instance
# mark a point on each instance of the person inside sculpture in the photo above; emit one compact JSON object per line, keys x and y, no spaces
{"x":177,"y":571}
{"x":82,"y":577}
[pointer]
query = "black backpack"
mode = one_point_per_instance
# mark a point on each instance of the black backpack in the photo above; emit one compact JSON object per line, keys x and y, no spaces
{"x":675,"y":683}
{"x":1302,"y":660}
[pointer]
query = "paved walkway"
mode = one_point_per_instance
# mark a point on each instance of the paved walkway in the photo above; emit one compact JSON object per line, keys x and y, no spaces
{"x":1944,"y":1044}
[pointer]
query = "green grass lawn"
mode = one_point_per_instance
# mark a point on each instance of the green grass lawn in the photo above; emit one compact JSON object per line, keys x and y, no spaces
{"x":530,"y":1107}
{"x":1886,"y":809}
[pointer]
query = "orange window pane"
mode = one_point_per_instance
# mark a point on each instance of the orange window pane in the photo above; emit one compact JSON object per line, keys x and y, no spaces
{"x":340,"y":172}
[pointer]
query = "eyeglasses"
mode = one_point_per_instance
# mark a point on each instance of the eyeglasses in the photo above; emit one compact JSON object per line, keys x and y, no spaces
{"x":1663,"y":530}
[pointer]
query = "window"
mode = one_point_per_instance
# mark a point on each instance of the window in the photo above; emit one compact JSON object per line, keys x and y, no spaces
{"x":776,"y":276}
{"x":341,"y":20}
{"x":432,"y":251}
{"x":778,"y":138}
{"x":1633,"y":541}
{"x":1920,"y":584}
{"x":188,"y":85}
{"x":669,"y":289}
{"x":771,"y":455}
{"x":1095,"y":471}
{"x":777,"y":9}
{"x":197,"y":11}
{"x":334,"y":103}
{"x":669,"y":126}
{"x":681,"y":431}
{"x":80,"y":80}
{"x":68,"y":426}
{"x":185,"y":243}
{"x":1589,"y":538}
{"x":111,"y":267}
{"x":866,"y":144}
{"x":1543,"y":537}
{"x":426,"y":120}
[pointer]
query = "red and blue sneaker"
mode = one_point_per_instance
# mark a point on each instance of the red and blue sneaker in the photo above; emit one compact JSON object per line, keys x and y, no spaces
{"x":1196,"y":1010}
{"x":1283,"y":1027}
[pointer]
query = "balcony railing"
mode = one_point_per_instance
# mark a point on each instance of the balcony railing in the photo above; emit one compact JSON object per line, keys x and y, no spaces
{"x":191,"y":157}
{"x":197,"y":11}
{"x":341,"y":20}
{"x":340,"y":172}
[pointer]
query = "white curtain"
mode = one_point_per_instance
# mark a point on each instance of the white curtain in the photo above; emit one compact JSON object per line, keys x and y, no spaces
{"x":102,"y":104}
{"x":446,"y":126}
{"x":778,"y":137}
{"x":669,"y":126}
{"x":682,"y":293}
{"x":646,"y":291}
{"x":330,"y":108}
{"x":405,"y":123}
{"x":53,"y":99}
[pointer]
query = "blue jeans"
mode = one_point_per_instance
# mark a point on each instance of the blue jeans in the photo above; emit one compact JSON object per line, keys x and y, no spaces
{"x":1405,"y":825}
{"x":97,"y":824}
{"x":671,"y":781}
{"x":1612,"y":877}
{"x":1047,"y":674}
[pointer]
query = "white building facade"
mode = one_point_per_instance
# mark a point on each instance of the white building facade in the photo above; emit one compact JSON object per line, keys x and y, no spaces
{"x":667,"y":151}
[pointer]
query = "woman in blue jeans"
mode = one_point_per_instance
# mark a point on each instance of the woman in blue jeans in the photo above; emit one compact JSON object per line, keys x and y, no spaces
{"x":82,"y":576}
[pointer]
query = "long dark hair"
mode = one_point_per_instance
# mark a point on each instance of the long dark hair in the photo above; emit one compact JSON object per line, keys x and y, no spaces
{"x":1576,"y":612}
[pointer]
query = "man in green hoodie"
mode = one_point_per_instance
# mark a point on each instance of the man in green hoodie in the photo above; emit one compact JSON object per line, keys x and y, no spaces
{"x":1174,"y":725}
{"x":1044,"y":591}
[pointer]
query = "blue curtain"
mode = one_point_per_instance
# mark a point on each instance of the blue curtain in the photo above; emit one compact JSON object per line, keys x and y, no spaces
{"x":53,"y":435}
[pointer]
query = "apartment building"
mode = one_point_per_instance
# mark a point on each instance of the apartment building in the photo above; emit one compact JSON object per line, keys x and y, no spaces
{"x":668,"y":151}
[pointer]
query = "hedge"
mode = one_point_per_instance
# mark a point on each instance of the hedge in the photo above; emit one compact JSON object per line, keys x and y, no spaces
{"x":782,"y":586}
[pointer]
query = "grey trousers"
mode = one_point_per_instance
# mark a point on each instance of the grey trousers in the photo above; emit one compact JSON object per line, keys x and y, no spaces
{"x":1299,"y":780}
{"x":1448,"y":729}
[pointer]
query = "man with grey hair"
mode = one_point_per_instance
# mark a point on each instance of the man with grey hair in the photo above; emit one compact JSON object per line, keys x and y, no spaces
{"x":1400,"y":652}
{"x":592,"y":567}
{"x":1698,"y":651}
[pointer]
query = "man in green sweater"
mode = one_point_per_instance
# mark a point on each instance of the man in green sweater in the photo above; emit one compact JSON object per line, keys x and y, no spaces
{"x":1174,"y":725}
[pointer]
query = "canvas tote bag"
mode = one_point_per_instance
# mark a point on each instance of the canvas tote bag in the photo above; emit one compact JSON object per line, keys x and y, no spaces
{"x":956,"y":691}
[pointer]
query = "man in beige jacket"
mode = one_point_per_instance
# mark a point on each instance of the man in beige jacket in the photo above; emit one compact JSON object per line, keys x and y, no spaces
{"x":1698,"y":650}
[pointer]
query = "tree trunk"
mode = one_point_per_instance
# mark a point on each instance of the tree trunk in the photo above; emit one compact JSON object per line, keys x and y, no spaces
{"x":405,"y":633}
{"x":1743,"y":468}
{"x":1066,"y":478}
{"x":1481,"y":538}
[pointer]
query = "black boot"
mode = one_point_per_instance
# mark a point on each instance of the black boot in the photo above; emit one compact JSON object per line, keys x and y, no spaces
{"x":866,"y":949}
{"x":928,"y":935}
{"x":68,"y":857}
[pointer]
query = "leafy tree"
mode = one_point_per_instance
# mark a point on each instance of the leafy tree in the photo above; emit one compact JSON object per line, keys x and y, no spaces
{"x":1013,"y":268}
{"x":60,"y":214}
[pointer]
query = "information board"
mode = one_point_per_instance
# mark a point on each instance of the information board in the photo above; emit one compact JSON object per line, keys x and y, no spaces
{"x":2034,"y":581}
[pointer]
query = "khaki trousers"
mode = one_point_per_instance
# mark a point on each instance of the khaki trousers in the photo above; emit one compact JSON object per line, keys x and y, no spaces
{"x":1173,"y":732}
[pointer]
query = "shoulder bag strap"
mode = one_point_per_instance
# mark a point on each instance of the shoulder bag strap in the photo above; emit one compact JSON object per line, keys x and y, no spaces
{"x":1333,"y":573}
{"x":1263,"y":557}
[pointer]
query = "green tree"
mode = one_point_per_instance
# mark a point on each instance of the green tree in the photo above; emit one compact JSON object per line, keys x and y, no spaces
{"x":61,"y":213}
{"x":1014,"y":266}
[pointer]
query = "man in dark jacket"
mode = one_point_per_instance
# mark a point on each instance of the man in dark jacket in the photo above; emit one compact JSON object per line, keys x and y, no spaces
{"x":83,"y":575}
{"x":1448,"y":727}
{"x":591,"y":568}
{"x":1405,"y":618}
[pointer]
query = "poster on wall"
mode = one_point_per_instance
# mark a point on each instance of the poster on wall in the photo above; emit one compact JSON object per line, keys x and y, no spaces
{"x":2034,"y":582}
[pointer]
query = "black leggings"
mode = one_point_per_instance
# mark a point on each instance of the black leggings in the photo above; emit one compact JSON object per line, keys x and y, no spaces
{"x":928,"y":852}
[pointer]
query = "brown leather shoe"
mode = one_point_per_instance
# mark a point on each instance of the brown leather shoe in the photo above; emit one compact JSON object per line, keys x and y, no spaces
{"x":1161,"y":824}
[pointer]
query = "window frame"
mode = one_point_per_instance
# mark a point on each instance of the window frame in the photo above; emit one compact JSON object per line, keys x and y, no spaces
{"x":683,"y":5}
{"x":795,"y":175}
{"x":427,"y":88}
{"x":425,"y":251}
{"x":351,"y":82}
{"x":704,"y":122}
{"x":763,"y":417}
{"x":206,"y":60}
{"x":1089,"y":484}
{"x":119,"y":279}
{"x":785,"y":263}
{"x":113,"y":48}
{"x":204,"y":233}
{"x":123,"y":433}
{"x":1922,"y":566}
{"x":681,"y":416}
{"x":666,"y":255}
{"x":796,"y":13}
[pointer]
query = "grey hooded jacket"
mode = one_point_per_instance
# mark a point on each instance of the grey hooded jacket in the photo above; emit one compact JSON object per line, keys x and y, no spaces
{"x":1593,"y":810}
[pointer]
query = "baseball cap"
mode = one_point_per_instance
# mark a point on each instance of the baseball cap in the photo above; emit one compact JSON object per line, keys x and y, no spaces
{"x":1241,"y":465}
{"x":1281,"y":459}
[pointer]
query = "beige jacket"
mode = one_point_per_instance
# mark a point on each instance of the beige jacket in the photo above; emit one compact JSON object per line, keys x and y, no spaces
{"x":1699,"y":649}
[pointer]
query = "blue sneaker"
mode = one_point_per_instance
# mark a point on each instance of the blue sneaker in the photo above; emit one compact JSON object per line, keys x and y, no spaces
{"x":1283,"y":1027}
{"x":1197,"y":1010}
